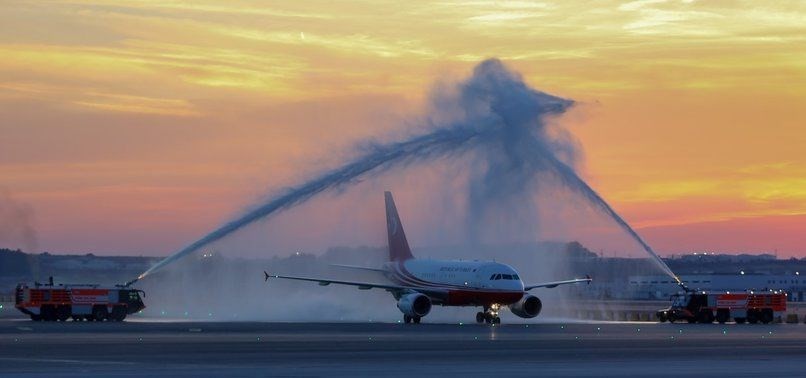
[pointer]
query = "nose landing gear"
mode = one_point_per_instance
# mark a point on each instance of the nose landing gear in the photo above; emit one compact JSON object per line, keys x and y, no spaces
{"x":490,"y":315}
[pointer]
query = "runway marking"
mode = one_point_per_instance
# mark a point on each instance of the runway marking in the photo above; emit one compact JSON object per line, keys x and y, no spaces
{"x":57,"y":360}
{"x":25,"y":328}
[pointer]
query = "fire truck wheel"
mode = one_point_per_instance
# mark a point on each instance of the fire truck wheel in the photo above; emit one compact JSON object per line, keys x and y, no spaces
{"x":662,"y":317}
{"x":752,"y":316}
{"x":36,"y":317}
{"x":722,"y":315}
{"x":739,"y":320}
{"x":99,"y":313}
{"x":63,"y":313}
{"x":705,"y":317}
{"x":767,"y":316}
{"x":118,"y":314}
{"x":48,"y":313}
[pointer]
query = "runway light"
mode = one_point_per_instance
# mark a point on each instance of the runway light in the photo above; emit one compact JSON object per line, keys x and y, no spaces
{"x":741,"y":272}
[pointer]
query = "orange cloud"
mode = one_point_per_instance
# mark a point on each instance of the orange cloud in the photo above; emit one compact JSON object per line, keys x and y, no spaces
{"x":691,"y":112}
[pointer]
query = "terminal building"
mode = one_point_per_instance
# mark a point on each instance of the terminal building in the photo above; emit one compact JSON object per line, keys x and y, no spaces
{"x":661,"y":287}
{"x":639,"y":279}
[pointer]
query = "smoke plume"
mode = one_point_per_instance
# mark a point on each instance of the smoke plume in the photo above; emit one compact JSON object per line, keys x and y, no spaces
{"x":16,"y":223}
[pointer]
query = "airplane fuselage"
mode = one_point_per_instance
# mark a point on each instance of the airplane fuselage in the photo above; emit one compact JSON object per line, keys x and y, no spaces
{"x":466,"y":283}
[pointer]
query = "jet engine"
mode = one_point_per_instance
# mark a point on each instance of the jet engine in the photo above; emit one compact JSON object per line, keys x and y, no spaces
{"x":414,"y":305}
{"x":528,"y":307}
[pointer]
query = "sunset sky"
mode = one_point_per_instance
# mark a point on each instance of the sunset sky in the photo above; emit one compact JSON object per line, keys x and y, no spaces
{"x":135,"y":127}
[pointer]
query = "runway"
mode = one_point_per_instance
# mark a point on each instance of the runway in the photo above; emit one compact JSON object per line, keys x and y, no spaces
{"x":371,"y":349}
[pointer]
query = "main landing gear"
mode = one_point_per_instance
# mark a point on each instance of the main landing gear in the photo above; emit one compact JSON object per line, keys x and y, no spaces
{"x":490,"y":315}
{"x":411,"y":319}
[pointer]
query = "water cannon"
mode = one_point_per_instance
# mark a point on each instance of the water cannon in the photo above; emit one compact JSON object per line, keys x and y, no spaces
{"x":128,"y":284}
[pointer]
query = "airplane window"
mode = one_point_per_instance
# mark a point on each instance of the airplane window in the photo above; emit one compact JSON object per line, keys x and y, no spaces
{"x":498,"y":276}
{"x":515,"y":276}
{"x":507,"y":276}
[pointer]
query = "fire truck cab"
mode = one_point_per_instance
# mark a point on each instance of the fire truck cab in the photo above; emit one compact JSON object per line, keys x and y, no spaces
{"x":87,"y":302}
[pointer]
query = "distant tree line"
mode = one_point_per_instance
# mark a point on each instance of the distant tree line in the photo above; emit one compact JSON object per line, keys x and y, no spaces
{"x":16,"y":262}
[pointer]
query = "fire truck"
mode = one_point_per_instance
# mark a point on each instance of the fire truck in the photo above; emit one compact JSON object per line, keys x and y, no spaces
{"x":88,"y":302}
{"x":705,"y":307}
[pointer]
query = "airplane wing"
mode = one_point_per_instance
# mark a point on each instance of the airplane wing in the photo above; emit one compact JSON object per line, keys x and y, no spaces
{"x":554,"y":284}
{"x":359,"y":268}
{"x":360,"y":285}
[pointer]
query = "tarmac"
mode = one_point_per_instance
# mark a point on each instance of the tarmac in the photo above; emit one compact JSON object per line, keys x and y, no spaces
{"x":594,"y":349}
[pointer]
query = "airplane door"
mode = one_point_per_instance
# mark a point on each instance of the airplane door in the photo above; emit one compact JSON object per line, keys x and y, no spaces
{"x":479,"y":280}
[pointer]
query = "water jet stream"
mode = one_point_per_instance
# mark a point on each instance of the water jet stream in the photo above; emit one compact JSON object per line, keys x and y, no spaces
{"x":498,"y":117}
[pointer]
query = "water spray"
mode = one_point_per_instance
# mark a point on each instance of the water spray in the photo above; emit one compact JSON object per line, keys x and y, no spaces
{"x":497,"y":117}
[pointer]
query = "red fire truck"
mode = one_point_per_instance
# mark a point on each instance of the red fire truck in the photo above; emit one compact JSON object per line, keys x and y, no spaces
{"x":705,"y":307}
{"x":51,"y":302}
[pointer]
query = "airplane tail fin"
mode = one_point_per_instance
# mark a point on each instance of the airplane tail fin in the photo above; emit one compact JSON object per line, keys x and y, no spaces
{"x":398,"y":245}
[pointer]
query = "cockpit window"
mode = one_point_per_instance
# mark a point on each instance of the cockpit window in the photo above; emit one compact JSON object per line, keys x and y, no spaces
{"x":492,"y":277}
{"x":515,"y":276}
{"x":498,"y":276}
{"x":507,"y":276}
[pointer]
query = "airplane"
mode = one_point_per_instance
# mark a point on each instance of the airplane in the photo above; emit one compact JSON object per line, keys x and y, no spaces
{"x":418,"y":284}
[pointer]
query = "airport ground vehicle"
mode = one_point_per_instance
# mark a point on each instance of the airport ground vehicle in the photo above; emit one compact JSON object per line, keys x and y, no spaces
{"x":705,"y":307}
{"x":88,"y":302}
